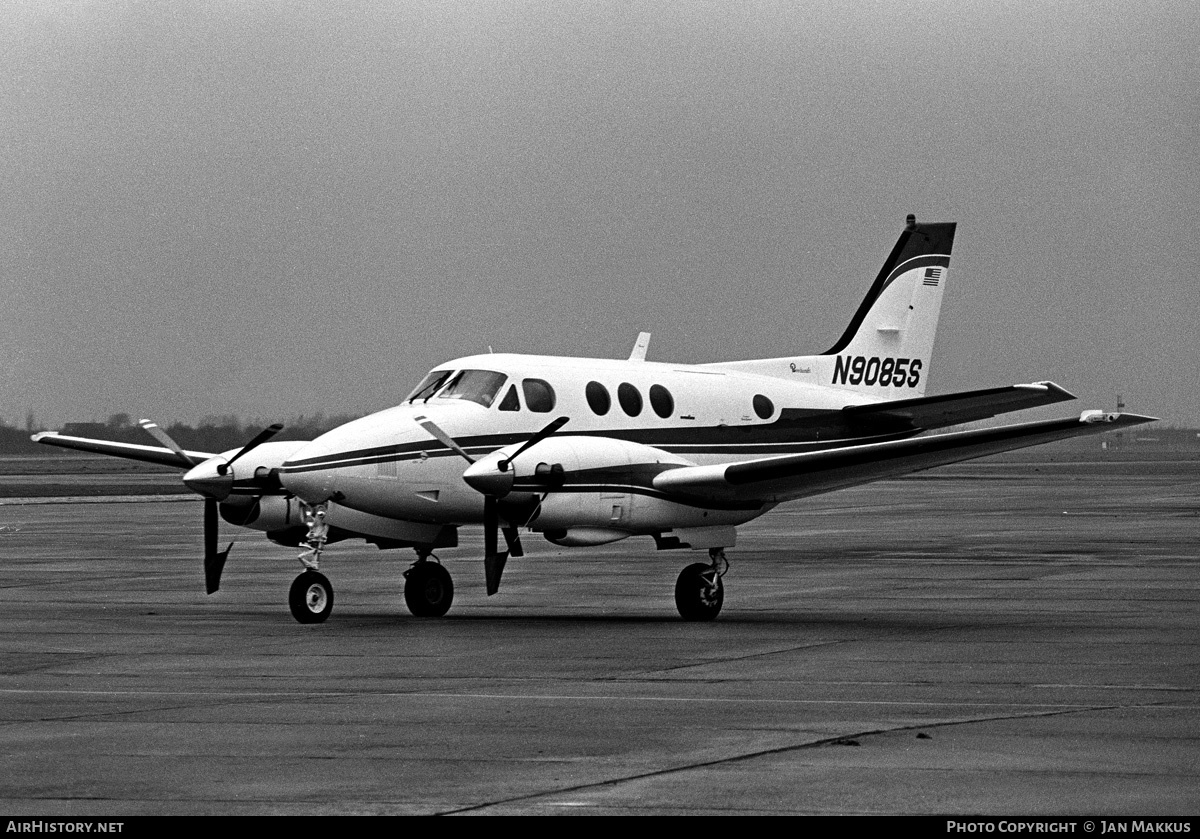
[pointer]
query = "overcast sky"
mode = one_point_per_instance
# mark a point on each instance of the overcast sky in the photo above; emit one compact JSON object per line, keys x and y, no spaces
{"x":276,"y":208}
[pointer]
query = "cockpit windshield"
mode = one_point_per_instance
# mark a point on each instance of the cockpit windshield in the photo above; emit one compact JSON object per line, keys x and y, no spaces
{"x":429,"y":385}
{"x":475,"y":385}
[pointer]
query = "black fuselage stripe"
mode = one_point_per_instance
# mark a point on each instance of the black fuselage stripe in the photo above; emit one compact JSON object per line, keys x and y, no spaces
{"x":366,"y":457}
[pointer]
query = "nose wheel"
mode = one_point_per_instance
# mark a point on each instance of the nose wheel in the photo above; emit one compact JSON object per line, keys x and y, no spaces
{"x":311,"y":597}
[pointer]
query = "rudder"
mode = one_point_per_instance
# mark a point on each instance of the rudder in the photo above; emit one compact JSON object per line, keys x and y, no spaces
{"x":886,"y":349}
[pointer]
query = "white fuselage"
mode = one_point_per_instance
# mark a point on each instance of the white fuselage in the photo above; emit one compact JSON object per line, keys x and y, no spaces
{"x":386,"y":464}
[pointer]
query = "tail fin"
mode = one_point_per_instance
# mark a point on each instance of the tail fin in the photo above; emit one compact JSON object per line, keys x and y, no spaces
{"x":886,"y":349}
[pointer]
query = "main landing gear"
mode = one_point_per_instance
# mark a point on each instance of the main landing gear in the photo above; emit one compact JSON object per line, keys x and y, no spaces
{"x":699,"y":591}
{"x":428,"y":589}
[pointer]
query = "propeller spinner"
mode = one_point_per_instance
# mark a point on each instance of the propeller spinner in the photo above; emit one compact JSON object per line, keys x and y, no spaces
{"x":493,"y":479}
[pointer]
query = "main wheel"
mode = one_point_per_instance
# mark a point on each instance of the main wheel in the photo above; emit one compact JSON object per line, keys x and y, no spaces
{"x":428,"y":590}
{"x":699,"y":592}
{"x":310,"y":597}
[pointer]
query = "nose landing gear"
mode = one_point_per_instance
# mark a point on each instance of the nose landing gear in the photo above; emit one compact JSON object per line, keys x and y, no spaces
{"x":311,"y":596}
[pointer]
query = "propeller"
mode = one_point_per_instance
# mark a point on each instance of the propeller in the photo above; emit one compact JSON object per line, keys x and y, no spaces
{"x":164,"y":438}
{"x":260,"y":438}
{"x":503,"y":465}
{"x":493,"y":487}
{"x":213,"y":488}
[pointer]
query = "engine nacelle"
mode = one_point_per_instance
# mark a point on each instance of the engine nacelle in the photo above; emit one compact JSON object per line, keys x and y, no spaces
{"x":593,"y":484}
{"x":283,"y":520}
{"x":584,"y":537}
{"x":270,"y":512}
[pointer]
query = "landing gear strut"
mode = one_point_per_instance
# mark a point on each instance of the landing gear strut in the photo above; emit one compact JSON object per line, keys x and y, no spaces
{"x":311,"y":596}
{"x":699,"y":591}
{"x":428,"y":589}
{"x":317,"y":536}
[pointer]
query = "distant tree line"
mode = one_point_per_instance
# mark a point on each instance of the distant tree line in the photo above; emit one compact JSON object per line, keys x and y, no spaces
{"x":212,"y":434}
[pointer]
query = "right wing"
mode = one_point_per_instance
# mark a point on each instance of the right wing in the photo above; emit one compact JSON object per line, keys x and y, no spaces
{"x":787,"y":477}
{"x":929,"y":412}
{"x":130,"y":451}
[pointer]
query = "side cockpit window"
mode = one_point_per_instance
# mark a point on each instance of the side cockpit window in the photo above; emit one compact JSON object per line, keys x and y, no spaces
{"x":539,"y":396}
{"x":480,"y":386}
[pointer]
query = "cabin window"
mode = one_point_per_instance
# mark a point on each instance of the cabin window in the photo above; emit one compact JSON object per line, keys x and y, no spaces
{"x":510,"y":402}
{"x":479,"y":386}
{"x":598,"y":398}
{"x":661,"y":401}
{"x":630,"y":399}
{"x":763,"y":406}
{"x":539,"y":396}
{"x":429,"y":385}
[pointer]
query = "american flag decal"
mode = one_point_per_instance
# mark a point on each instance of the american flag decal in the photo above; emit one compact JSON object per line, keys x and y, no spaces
{"x":933,"y":276}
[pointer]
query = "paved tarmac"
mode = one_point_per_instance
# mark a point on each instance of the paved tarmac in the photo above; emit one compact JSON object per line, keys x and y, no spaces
{"x":987,"y":640}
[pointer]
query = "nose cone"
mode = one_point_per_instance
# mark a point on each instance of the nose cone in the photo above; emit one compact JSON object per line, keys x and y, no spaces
{"x":206,"y":480}
{"x":486,"y":476}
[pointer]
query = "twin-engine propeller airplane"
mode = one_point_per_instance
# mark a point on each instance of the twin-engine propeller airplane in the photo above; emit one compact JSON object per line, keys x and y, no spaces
{"x":684,"y":453}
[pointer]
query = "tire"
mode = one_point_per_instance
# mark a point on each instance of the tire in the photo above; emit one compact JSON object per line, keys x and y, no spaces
{"x":695,"y":598}
{"x":311,"y":597}
{"x":428,"y":590}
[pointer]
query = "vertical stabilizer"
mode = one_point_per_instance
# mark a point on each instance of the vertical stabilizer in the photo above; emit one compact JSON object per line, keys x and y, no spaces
{"x":886,"y":350}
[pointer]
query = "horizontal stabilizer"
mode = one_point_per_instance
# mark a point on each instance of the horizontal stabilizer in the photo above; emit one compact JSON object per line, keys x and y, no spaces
{"x":129,"y":451}
{"x":954,"y":408}
{"x":784,"y":478}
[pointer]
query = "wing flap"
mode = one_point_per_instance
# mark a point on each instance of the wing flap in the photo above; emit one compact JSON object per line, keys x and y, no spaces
{"x":129,"y":451}
{"x":785,"y":478}
{"x":954,"y":408}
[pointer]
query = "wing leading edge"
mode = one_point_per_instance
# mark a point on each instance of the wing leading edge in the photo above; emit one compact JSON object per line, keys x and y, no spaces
{"x":788,"y":477}
{"x":129,"y":451}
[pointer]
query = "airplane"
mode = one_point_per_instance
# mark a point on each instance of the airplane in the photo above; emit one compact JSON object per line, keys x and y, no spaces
{"x":587,"y":451}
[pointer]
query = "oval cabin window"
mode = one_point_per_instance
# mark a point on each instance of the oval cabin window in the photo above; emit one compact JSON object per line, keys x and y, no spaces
{"x":763,"y":406}
{"x":661,"y":401}
{"x":597,"y":398}
{"x":630,"y":399}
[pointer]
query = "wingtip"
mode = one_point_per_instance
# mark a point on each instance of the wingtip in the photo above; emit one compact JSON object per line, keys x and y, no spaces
{"x":1113,"y":418}
{"x":1061,"y":392}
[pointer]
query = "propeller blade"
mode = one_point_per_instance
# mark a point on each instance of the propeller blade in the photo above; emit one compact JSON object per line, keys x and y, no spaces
{"x":214,"y":560}
{"x":491,"y":524}
{"x":533,"y":441}
{"x":262,"y":437}
{"x":442,"y":437}
{"x":164,"y":438}
{"x":493,"y":558}
{"x":513,"y":538}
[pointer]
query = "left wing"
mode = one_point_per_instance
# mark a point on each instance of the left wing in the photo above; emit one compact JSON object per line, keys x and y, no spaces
{"x":130,"y":451}
{"x":784,"y":478}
